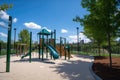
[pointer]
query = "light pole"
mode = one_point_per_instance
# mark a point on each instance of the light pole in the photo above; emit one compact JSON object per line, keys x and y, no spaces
{"x":77,"y":38}
{"x":14,"y":37}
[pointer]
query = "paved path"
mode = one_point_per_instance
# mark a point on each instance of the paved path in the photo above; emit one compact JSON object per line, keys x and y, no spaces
{"x":75,"y":69}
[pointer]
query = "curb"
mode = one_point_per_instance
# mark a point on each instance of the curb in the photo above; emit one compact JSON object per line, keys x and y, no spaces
{"x":96,"y":77}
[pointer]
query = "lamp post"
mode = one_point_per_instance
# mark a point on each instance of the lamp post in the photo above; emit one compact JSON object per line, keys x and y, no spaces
{"x":14,"y":37}
{"x":77,"y":38}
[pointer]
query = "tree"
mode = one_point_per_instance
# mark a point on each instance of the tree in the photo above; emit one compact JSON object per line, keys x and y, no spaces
{"x":24,"y":36}
{"x":102,"y":22}
{"x":5,"y":6}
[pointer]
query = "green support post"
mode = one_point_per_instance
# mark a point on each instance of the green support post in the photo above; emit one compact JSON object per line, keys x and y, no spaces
{"x":47,"y":48}
{"x":14,"y":38}
{"x":30,"y":46}
{"x":55,"y":38}
{"x":50,"y":43}
{"x":9,"y":45}
{"x":68,"y":52}
{"x":60,"y":46}
{"x":65,"y":49}
{"x":51,"y":37}
{"x":0,"y":48}
{"x":42,"y":47}
{"x":39,"y":45}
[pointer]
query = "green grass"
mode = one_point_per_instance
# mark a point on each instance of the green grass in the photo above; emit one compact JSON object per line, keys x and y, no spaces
{"x":94,"y":54}
{"x":4,"y":52}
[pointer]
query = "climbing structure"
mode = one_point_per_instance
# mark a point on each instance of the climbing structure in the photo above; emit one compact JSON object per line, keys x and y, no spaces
{"x":63,"y":48}
{"x":44,"y":41}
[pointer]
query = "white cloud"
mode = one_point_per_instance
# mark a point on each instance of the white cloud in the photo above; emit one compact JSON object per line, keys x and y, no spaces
{"x":4,"y":15}
{"x":73,"y":38}
{"x":2,"y":24}
{"x":32,"y":25}
{"x":14,"y":20}
{"x":83,"y":37}
{"x":3,"y":34}
{"x":64,"y":31}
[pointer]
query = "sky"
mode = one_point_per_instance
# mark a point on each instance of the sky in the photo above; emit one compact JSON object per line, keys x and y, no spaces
{"x":35,"y":15}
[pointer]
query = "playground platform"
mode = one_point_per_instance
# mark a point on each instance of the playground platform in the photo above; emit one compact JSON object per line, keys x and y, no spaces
{"x":77,"y":68}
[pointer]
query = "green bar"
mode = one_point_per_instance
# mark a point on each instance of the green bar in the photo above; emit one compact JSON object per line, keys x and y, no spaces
{"x":55,"y":38}
{"x":8,"y":45}
{"x":30,"y":46}
{"x":42,"y":47}
{"x":39,"y":45}
{"x":0,"y":48}
{"x":60,"y":47}
{"x":14,"y":38}
{"x":65,"y":48}
{"x":68,"y":52}
{"x":47,"y":48}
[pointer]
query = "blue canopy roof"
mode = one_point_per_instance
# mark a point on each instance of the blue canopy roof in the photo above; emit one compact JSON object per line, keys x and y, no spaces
{"x":44,"y":32}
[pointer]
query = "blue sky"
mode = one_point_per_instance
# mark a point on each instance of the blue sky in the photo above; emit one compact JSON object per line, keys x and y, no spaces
{"x":52,"y":14}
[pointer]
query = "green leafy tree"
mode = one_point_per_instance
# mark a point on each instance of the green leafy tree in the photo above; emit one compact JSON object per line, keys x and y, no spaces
{"x":102,"y":22}
{"x":24,"y":36}
{"x":5,"y":6}
{"x":3,"y":44}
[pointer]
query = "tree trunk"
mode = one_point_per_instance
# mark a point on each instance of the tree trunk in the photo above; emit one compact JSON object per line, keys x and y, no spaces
{"x":109,"y":49}
{"x":99,"y":50}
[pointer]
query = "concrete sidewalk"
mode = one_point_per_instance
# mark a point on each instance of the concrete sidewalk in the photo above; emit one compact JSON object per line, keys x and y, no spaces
{"x":75,"y":69}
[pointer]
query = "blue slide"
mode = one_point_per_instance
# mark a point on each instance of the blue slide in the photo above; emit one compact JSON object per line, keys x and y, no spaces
{"x":53,"y":51}
{"x":27,"y":54}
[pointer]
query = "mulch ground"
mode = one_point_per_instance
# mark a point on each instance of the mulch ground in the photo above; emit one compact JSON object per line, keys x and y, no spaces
{"x":102,"y":69}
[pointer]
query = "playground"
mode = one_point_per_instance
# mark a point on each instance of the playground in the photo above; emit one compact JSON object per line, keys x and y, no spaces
{"x":49,"y":60}
{"x":41,"y":41}
{"x":45,"y":61}
{"x":75,"y":69}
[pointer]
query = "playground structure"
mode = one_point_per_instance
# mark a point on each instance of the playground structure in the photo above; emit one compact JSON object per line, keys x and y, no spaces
{"x":63,"y":48}
{"x":43,"y":43}
{"x":47,"y":44}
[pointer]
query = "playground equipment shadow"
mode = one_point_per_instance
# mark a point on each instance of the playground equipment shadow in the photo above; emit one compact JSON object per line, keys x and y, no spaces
{"x":3,"y":72}
{"x":35,"y":60}
{"x":75,"y":70}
